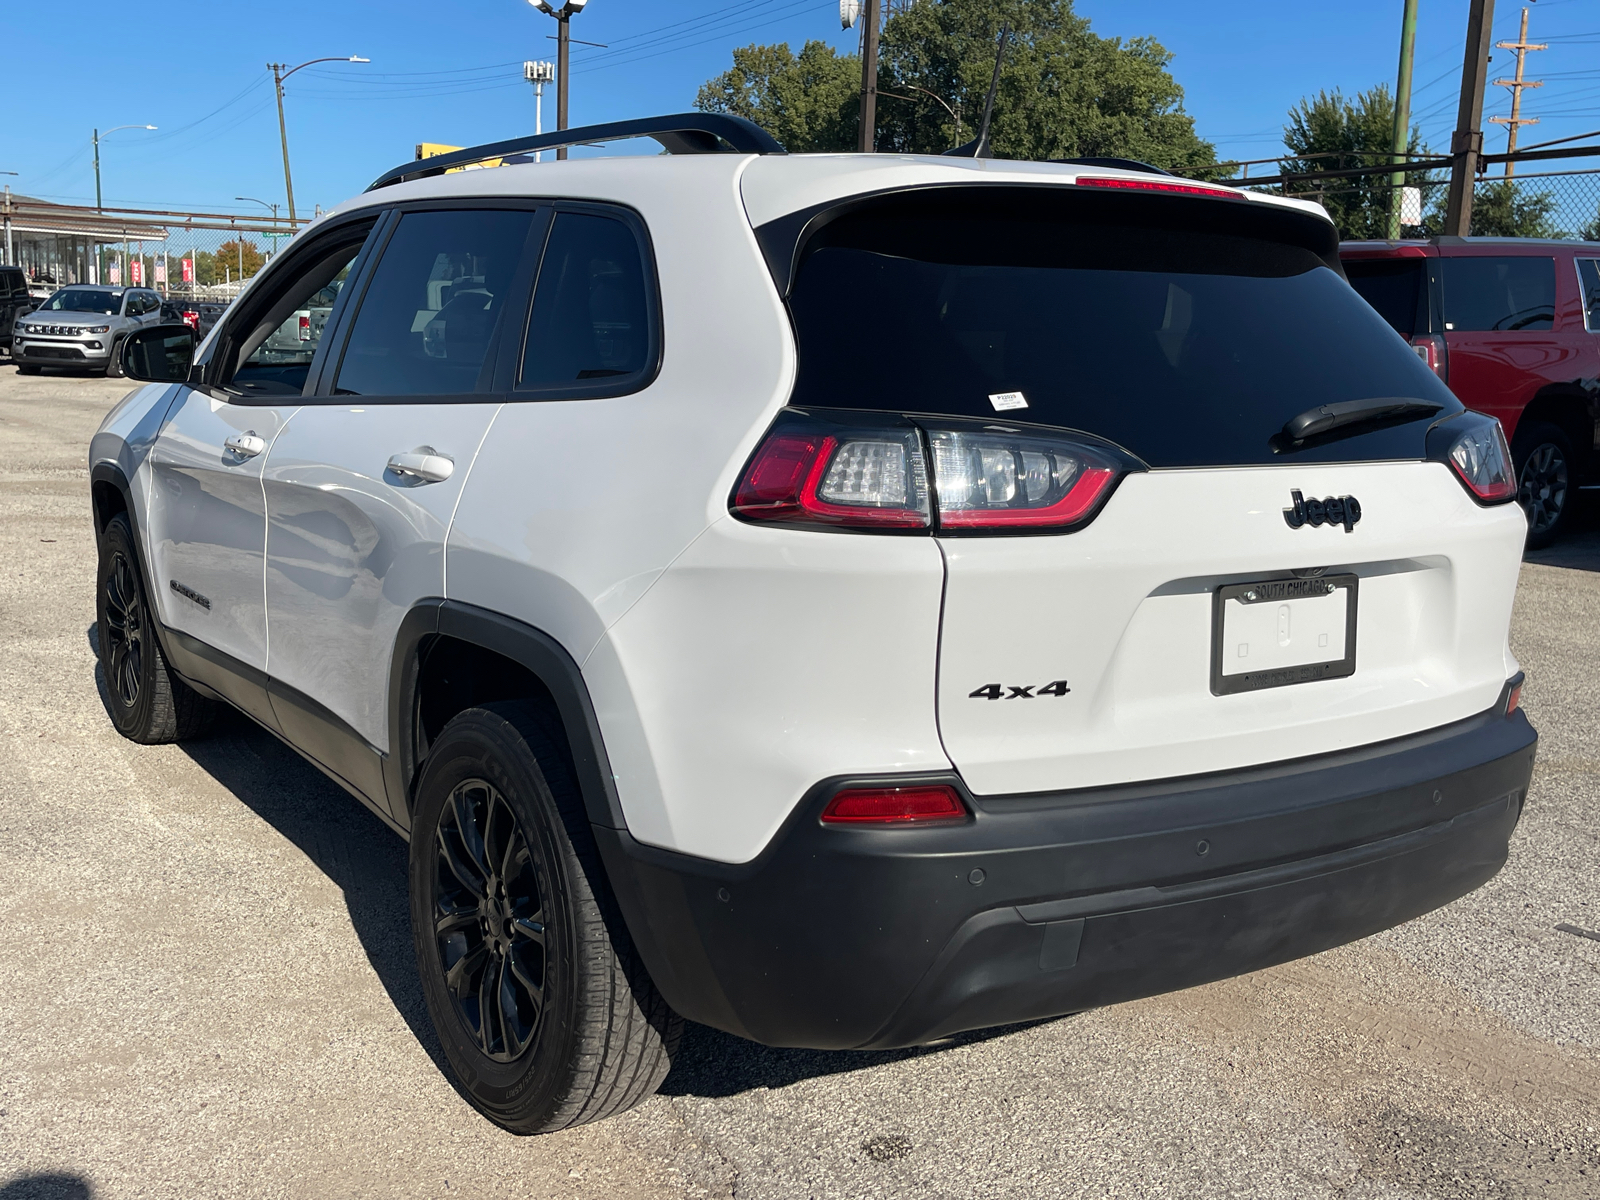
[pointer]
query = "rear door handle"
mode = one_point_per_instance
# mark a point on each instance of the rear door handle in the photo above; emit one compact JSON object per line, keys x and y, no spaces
{"x":424,"y":463}
{"x":246,"y":445}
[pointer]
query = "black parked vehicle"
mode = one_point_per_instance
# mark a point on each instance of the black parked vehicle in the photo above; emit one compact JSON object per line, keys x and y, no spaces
{"x":14,"y":302}
{"x":199,"y":315}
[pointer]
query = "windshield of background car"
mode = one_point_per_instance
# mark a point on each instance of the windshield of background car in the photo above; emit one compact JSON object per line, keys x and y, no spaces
{"x":1393,"y":286}
{"x":84,"y":300}
{"x":1179,"y":329}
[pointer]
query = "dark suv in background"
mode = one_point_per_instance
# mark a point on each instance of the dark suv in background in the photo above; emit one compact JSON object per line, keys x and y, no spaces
{"x":1512,"y":325}
{"x":14,"y":302}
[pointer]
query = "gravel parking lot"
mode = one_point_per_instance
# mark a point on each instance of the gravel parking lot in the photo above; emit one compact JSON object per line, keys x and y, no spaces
{"x":208,"y":986}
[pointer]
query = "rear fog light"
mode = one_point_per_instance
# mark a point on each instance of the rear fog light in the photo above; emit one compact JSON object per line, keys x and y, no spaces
{"x":925,"y":804}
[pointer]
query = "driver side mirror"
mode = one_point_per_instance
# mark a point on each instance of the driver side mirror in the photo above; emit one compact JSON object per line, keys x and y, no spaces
{"x":159,"y":354}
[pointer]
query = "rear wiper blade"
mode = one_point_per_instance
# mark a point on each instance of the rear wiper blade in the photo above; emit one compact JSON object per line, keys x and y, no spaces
{"x":1325,"y":418}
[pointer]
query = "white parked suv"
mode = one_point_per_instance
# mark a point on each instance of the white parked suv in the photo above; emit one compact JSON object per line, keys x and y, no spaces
{"x":839,"y":599}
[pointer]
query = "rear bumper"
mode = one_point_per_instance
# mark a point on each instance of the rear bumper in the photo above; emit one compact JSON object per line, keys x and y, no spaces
{"x":1049,"y":904}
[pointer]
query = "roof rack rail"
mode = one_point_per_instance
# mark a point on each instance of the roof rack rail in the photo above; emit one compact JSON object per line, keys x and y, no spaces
{"x":681,"y":133}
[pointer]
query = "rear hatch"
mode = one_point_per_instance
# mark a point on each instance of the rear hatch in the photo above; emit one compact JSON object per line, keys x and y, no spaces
{"x":1212,"y":612}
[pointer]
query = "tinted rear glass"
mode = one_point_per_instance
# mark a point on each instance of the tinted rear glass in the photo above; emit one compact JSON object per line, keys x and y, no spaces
{"x":1499,"y":294}
{"x":1187,"y":346}
{"x":1393,"y":287}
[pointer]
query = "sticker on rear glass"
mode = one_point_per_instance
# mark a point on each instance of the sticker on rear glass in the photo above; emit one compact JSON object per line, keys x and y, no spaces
{"x":1006,"y":401}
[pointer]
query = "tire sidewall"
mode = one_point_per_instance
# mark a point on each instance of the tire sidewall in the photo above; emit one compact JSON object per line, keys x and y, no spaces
{"x":482,"y":745}
{"x":129,"y":720}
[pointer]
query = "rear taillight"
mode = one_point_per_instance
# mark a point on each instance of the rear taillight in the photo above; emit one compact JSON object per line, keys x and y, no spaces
{"x":1430,"y":348}
{"x":1474,"y":447}
{"x":191,"y":319}
{"x":305,"y":329}
{"x":918,"y":804}
{"x":833,"y":471}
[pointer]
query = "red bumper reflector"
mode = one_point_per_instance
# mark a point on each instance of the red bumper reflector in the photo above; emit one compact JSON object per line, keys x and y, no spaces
{"x":924,"y":804}
{"x":1513,"y":700}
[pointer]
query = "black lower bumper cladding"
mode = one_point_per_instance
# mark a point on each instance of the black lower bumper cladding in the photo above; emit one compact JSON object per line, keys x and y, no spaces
{"x":1042,"y":905}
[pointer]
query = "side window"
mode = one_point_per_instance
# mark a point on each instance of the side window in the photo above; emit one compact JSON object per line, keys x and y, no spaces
{"x":1589,"y":284}
{"x":1501,"y":294}
{"x":428,"y":316}
{"x":591,"y":310}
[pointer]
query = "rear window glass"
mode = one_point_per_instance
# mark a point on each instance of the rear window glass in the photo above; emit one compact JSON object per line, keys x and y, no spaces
{"x":1499,"y":294}
{"x":1393,"y":287}
{"x":1188,"y":347}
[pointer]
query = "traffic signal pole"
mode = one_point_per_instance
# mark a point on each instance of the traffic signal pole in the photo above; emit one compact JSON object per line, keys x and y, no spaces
{"x":1466,"y":144}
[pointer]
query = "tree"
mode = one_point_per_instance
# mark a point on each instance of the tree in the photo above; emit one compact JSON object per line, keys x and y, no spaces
{"x":1331,"y":133}
{"x":1502,"y":209}
{"x":1064,"y":92}
{"x":808,"y":103}
{"x":230,"y":255}
{"x":1591,"y":231}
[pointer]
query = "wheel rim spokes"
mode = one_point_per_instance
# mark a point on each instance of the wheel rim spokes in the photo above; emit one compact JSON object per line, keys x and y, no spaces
{"x":1543,"y":490}
{"x":489,"y":921}
{"x":124,"y":631}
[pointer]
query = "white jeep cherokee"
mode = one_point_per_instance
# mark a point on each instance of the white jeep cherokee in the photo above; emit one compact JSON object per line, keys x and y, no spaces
{"x":839,"y":599}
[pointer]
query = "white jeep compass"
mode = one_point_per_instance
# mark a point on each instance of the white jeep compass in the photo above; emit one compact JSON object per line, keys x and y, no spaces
{"x":839,"y":599}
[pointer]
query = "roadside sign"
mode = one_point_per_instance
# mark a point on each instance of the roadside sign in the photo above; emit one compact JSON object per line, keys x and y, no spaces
{"x":136,"y":272}
{"x":188,"y":270}
{"x":116,"y":272}
{"x":161,"y":272}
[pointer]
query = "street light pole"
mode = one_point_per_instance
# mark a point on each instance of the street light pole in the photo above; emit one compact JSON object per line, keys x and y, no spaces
{"x":99,"y":207}
{"x":563,"y":15}
{"x":280,"y":72}
{"x":274,"y":234}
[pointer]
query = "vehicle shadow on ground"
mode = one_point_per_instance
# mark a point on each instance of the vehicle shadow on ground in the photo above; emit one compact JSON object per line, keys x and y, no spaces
{"x":712,"y":1064}
{"x":53,"y":1186}
{"x":1579,"y":548}
{"x":356,"y":851}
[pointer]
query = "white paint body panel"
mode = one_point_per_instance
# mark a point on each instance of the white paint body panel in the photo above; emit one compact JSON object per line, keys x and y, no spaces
{"x":351,"y":546}
{"x":1122,"y":611}
{"x":207,"y":526}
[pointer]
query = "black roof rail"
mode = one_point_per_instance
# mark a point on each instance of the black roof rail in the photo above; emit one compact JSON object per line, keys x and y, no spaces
{"x":681,"y":133}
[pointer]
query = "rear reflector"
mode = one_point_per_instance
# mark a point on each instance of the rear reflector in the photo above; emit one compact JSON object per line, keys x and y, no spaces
{"x":1157,"y":185}
{"x":926,"y":804}
{"x":1514,"y":699}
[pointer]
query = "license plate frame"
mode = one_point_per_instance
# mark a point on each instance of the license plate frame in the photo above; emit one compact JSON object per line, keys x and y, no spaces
{"x":1277,"y":591}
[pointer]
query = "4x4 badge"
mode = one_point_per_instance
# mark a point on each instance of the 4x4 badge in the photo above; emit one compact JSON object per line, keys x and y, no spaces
{"x":1335,"y":510}
{"x":1006,"y":691}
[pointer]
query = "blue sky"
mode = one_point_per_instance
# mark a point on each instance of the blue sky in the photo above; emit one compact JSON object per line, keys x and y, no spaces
{"x":449,"y":71}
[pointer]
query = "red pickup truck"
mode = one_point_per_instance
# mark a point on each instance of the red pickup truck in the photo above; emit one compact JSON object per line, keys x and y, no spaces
{"x":1512,"y":325}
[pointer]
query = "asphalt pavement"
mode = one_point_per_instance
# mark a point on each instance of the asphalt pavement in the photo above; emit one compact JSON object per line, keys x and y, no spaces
{"x":207,"y":989}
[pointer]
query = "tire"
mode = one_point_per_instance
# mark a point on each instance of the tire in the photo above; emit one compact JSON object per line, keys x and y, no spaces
{"x":507,"y":885}
{"x":1543,"y":456}
{"x":114,"y":363}
{"x":27,"y":369}
{"x":146,"y":701}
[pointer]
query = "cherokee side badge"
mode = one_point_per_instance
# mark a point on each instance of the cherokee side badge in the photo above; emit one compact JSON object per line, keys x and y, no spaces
{"x":1334,"y":510}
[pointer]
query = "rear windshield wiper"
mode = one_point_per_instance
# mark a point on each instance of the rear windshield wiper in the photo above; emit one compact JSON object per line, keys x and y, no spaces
{"x":1325,"y":418}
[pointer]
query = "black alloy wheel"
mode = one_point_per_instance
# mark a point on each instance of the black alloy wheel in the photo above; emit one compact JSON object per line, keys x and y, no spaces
{"x":124,"y":630}
{"x":1544,"y":481}
{"x":489,"y":921}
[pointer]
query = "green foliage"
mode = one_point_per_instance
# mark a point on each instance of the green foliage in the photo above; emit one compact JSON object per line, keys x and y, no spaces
{"x":1503,"y":209}
{"x":1064,"y":92}
{"x":808,"y":103}
{"x":1331,"y":133}
{"x":1591,"y":231}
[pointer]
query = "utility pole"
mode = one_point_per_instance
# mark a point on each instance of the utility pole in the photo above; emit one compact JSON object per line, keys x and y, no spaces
{"x":98,"y":206}
{"x":1516,"y":119}
{"x":1466,"y":144}
{"x":1402,"y":113}
{"x":867,"y":135}
{"x":280,"y":72}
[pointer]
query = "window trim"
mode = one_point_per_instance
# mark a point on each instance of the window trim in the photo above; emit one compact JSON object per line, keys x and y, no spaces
{"x":607,"y":388}
{"x":1583,"y":300}
{"x":488,"y":388}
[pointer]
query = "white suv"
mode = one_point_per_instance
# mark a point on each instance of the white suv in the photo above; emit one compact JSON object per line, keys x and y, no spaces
{"x":839,"y":599}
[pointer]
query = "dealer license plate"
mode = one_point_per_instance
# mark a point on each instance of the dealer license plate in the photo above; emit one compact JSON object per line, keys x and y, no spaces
{"x":1282,"y":631}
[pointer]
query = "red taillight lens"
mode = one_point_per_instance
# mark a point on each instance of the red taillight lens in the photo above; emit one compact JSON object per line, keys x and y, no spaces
{"x":1514,"y":699}
{"x":1158,"y":185}
{"x":305,"y":329}
{"x":191,"y":319}
{"x":869,"y":480}
{"x":1430,"y":348}
{"x":926,"y":804}
{"x":997,"y":480}
{"x":1482,"y":461}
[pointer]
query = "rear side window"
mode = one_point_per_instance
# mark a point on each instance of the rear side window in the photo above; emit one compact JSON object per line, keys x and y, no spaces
{"x":1187,"y":346}
{"x":591,"y":311}
{"x":1499,"y":294}
{"x":428,"y":315}
{"x":1392,"y":286}
{"x":1589,"y":281}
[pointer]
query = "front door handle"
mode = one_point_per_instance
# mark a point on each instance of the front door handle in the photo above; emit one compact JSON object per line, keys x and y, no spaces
{"x":424,"y":463}
{"x":246,"y":445}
